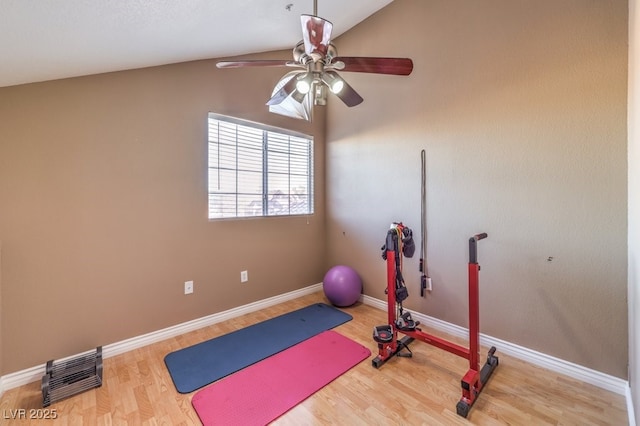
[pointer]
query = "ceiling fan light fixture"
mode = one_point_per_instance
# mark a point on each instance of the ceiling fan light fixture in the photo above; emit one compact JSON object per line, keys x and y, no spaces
{"x":298,"y":96}
{"x":333,"y":81}
{"x":337,"y":86}
{"x":303,"y":85}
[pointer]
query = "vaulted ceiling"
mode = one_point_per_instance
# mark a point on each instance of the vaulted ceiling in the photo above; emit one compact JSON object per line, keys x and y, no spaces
{"x":49,"y":40}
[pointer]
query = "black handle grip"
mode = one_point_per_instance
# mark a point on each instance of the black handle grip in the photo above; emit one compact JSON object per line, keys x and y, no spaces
{"x":473,"y":254}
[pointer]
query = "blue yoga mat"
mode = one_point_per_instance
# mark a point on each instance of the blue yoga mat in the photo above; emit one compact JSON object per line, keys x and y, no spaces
{"x":196,"y":366}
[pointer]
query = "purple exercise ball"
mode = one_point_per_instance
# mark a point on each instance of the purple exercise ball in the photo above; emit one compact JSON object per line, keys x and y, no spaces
{"x":342,"y":286}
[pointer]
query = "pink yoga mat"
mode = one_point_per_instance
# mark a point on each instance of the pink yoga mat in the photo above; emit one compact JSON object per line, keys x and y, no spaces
{"x":264,"y":391}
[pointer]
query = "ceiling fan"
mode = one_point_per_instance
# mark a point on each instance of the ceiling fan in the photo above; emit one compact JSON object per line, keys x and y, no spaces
{"x":316,"y":63}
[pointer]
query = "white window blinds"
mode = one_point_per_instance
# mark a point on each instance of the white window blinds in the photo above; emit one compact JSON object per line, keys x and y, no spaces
{"x":256,"y":170}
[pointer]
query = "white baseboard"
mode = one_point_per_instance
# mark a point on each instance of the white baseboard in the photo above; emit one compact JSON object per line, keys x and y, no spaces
{"x":579,"y":372}
{"x":35,"y":374}
{"x":630,"y":410}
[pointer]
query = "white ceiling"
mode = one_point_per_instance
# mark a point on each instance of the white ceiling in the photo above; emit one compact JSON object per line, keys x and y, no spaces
{"x":46,"y":40}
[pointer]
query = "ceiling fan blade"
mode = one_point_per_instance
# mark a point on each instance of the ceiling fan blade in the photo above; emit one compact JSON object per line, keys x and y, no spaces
{"x":254,"y":63}
{"x":347,"y":94}
{"x":394,"y":66}
{"x":316,"y":34}
{"x":286,"y":89}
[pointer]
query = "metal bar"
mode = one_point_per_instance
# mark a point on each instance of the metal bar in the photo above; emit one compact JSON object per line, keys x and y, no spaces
{"x":474,"y":316}
{"x":438,"y":343}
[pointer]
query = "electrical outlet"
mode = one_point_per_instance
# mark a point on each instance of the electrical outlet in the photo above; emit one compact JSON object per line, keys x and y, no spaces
{"x":188,"y":287}
{"x":244,"y":276}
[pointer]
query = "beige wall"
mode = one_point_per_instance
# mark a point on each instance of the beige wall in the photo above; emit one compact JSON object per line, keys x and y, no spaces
{"x":521,"y":108}
{"x":634,"y":202}
{"x":103,"y":201}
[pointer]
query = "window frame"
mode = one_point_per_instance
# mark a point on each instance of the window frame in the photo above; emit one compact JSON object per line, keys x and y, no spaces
{"x":265,"y":174}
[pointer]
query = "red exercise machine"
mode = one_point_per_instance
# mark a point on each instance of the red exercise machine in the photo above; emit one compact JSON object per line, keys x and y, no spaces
{"x":399,"y":243}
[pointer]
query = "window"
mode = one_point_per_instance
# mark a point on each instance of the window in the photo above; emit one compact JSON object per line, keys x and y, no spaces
{"x":257,"y":170}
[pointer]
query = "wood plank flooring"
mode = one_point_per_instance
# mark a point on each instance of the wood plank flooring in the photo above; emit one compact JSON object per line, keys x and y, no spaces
{"x":423,"y":390}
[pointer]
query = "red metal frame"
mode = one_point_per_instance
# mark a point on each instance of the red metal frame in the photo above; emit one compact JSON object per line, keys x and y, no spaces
{"x":473,"y":381}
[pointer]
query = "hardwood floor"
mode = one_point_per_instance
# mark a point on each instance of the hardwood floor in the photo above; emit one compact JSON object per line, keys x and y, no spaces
{"x":422,"y":390}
